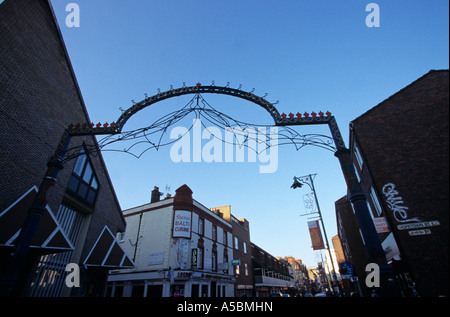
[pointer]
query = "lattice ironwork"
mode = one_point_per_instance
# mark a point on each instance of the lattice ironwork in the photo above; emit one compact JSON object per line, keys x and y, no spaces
{"x":154,"y":136}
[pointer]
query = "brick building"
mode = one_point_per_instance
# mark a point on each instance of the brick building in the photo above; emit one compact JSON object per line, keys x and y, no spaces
{"x":271,"y":274}
{"x":301,"y":280}
{"x":180,"y":247}
{"x":400,"y":152}
{"x":243,"y":267}
{"x":39,"y":98}
{"x":353,"y":248}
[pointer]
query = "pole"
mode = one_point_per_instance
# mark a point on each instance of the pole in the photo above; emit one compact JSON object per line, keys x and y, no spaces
{"x":11,"y":270}
{"x":359,"y":204}
{"x":334,"y":277}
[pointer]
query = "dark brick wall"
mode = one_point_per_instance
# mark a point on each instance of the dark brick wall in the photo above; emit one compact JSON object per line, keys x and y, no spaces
{"x":354,"y":249}
{"x":39,"y":97}
{"x":405,"y":141}
{"x":241,"y":230}
{"x":262,"y":259}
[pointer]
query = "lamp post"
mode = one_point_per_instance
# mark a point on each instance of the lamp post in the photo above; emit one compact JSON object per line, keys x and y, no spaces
{"x":355,"y":195}
{"x":308,"y":180}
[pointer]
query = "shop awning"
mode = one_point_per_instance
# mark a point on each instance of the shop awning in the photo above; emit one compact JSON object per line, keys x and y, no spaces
{"x":108,"y":253}
{"x":49,"y":237}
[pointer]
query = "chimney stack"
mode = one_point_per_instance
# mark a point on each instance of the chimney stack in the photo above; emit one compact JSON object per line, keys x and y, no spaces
{"x":156,"y":195}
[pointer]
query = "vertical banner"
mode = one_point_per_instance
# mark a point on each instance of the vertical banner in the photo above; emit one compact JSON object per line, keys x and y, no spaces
{"x":316,"y":235}
{"x":194,"y":258}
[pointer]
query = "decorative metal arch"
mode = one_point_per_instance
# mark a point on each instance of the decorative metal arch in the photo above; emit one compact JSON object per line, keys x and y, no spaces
{"x":357,"y":198}
{"x":279,"y":120}
{"x":269,"y":107}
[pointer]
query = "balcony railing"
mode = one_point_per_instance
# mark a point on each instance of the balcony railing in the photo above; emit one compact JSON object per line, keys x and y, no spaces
{"x":261,"y":280}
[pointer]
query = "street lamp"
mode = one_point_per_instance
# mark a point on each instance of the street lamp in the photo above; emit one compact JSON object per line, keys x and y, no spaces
{"x":308,"y":180}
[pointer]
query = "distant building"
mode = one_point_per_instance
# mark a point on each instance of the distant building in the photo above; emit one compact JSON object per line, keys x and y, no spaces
{"x":39,"y":99}
{"x":271,"y":274}
{"x":400,"y":153}
{"x":300,"y":273}
{"x":180,"y":248}
{"x":353,"y":247}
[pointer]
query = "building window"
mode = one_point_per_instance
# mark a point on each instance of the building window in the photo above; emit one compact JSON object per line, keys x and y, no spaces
{"x":200,"y":258}
{"x":236,"y":244}
{"x":121,"y":236}
{"x":370,"y":210}
{"x":357,"y":174}
{"x":358,"y":156}
{"x":245,"y":247}
{"x":236,"y":270}
{"x":214,"y":233}
{"x":195,"y":290}
{"x":225,"y":260}
{"x":225,"y":238}
{"x":214,"y":261}
{"x":375,"y":201}
{"x":201,"y":226}
{"x":83,"y":182}
{"x":49,"y":277}
{"x":246,"y":269}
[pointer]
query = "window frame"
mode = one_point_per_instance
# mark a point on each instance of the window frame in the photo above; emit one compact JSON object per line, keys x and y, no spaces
{"x":214,"y":233}
{"x":201,"y":226}
{"x":77,"y":184}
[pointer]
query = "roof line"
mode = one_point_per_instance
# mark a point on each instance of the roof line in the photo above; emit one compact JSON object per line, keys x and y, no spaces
{"x":83,"y":106}
{"x":401,"y":91}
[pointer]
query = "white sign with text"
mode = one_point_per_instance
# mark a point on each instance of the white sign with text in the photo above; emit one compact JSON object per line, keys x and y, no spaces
{"x":182,"y":224}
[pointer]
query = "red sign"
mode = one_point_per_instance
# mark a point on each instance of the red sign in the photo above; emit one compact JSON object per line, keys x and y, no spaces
{"x":380,"y":224}
{"x":316,"y":235}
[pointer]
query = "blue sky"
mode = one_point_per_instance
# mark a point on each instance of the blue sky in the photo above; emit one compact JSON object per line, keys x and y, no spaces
{"x":308,"y":55}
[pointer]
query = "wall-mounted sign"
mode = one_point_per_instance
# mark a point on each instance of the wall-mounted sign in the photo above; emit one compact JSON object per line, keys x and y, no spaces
{"x":182,"y":224}
{"x":420,"y":232}
{"x":346,"y":269}
{"x":380,"y":224}
{"x":181,"y":249}
{"x":155,"y":258}
{"x":194,"y":258}
{"x":418,"y":225}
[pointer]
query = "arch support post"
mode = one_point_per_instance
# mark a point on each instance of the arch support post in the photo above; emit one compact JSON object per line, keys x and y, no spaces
{"x":358,"y":201}
{"x":12,"y":267}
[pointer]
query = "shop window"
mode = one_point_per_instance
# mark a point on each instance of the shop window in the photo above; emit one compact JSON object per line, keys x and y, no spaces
{"x":205,"y":290}
{"x":154,"y":291}
{"x":137,"y":291}
{"x":195,"y":289}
